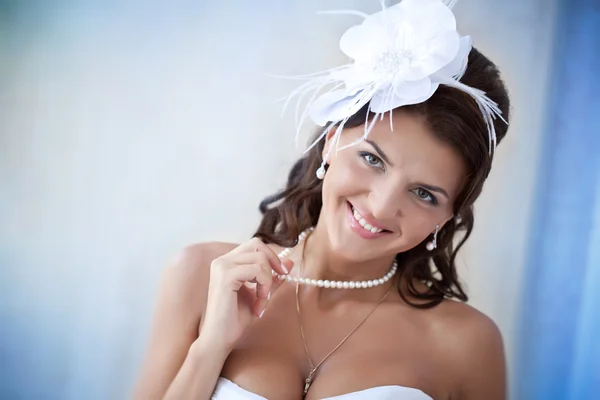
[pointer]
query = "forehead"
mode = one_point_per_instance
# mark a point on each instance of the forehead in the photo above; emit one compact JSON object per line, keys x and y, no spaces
{"x":412,"y":147}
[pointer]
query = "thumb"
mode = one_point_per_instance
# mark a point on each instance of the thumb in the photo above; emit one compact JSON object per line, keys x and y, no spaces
{"x":288,"y":264}
{"x":261,"y":304}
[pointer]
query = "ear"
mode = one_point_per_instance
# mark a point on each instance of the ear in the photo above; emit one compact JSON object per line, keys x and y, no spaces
{"x":328,"y":143}
{"x":443,"y":222}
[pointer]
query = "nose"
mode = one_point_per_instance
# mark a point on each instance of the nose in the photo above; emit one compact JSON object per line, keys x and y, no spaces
{"x":385,"y":201}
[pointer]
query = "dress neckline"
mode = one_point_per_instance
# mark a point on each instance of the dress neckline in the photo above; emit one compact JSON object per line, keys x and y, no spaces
{"x":407,"y":389}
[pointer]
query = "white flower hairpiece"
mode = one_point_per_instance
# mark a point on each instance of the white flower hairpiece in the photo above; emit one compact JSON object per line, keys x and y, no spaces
{"x":400,"y":56}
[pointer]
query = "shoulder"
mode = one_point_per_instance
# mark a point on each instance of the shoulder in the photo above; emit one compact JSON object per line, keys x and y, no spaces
{"x":189,"y":271}
{"x":473,"y":346}
{"x":192,"y":263}
{"x":185,"y":280}
{"x":178,"y":311}
{"x":196,"y":255}
{"x":468,"y":322}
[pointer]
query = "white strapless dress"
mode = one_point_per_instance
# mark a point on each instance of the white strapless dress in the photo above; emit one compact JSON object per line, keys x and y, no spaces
{"x":227,"y":390}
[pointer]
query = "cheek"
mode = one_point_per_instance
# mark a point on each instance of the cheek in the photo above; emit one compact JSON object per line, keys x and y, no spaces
{"x":345,"y":177}
{"x":418,"y":223}
{"x":419,"y":226}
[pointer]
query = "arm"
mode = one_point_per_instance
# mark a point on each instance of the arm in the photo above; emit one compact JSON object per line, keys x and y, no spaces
{"x":180,"y":305}
{"x":198,"y":374}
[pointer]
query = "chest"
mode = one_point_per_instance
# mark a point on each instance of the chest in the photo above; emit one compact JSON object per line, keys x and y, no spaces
{"x":271,"y":359}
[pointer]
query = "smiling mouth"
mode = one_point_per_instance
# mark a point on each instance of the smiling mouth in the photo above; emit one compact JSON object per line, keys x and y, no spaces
{"x":364,"y":224}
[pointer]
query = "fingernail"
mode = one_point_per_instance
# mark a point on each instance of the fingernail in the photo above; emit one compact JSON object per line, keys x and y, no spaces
{"x":269,"y":296}
{"x":261,"y":313}
{"x":284,"y":269}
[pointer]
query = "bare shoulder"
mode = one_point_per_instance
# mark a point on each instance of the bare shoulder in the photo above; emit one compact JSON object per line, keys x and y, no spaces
{"x":473,"y":345}
{"x":184,"y":285}
{"x":196,"y":258}
{"x":468,"y":321}
{"x":179,"y":307}
{"x":189,"y":272}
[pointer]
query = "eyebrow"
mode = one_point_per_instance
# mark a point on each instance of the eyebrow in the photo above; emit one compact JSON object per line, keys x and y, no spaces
{"x":380,"y":152}
{"x":385,"y":158}
{"x":434,"y":189}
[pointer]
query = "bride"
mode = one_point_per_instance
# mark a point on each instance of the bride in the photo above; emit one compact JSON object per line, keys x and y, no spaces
{"x":348,"y":289}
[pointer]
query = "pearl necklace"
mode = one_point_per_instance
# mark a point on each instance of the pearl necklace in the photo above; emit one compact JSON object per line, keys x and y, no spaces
{"x":332,"y":284}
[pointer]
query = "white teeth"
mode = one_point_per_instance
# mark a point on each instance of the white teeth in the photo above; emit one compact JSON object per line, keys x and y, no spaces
{"x":363,"y":223}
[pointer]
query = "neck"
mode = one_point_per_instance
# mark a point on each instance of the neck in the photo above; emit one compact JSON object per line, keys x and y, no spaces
{"x":321,"y":262}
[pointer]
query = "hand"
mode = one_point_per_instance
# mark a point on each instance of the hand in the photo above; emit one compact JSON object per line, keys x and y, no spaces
{"x":233,"y":303}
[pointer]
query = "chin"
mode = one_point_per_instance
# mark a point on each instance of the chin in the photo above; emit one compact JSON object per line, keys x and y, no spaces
{"x":355,"y":241}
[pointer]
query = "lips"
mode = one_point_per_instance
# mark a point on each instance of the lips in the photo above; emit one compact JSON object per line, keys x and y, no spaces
{"x":365,"y":226}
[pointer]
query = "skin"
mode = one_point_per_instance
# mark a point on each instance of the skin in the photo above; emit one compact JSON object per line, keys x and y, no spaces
{"x":449,"y":352}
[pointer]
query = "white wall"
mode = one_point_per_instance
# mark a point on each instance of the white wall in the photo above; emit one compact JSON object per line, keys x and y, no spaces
{"x":518,"y":35}
{"x":127,"y":132}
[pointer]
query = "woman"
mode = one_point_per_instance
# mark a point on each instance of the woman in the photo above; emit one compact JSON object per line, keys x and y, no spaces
{"x":349,"y":288}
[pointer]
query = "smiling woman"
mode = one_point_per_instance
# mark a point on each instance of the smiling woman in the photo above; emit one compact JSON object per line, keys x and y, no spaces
{"x":368,"y":225}
{"x":433,"y":169}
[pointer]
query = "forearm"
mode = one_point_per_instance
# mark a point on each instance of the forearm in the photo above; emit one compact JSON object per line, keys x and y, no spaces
{"x":198,"y":375}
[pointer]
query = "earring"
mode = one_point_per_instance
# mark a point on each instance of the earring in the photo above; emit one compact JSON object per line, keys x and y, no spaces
{"x":321,"y":172}
{"x":433,"y":244}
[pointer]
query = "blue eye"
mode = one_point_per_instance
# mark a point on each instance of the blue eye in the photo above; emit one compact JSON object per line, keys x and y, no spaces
{"x":425,"y":195}
{"x":371,"y":159}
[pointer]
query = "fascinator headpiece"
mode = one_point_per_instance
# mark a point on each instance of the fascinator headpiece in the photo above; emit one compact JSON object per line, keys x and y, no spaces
{"x":399,"y":56}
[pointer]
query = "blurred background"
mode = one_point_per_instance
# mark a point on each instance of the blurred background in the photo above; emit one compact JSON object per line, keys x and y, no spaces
{"x":130,"y":129}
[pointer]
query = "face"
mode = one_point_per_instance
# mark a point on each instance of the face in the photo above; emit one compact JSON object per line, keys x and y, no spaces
{"x":401,"y":183}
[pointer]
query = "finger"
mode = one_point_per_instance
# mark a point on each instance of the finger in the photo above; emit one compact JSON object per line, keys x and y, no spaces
{"x":261,"y":303}
{"x":288,"y":264}
{"x":273,"y":259}
{"x":247,"y":295}
{"x":264,"y":291}
{"x":260,"y":307}
{"x":255,"y":257}
{"x":276,"y":284}
{"x":262,"y":257}
{"x":253,"y":272}
{"x":277,"y":281}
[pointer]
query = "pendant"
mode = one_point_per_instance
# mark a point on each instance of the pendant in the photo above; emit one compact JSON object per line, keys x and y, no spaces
{"x":308,"y":382}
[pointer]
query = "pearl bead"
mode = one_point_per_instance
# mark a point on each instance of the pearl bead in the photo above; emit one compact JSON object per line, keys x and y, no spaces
{"x":332,"y":284}
{"x":321,"y":173}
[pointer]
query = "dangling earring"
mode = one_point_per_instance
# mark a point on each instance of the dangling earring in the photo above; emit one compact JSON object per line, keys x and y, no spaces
{"x":321,"y":172}
{"x":433,"y":244}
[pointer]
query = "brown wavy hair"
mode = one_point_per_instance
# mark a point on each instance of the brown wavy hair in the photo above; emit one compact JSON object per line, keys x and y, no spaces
{"x":454,"y":118}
